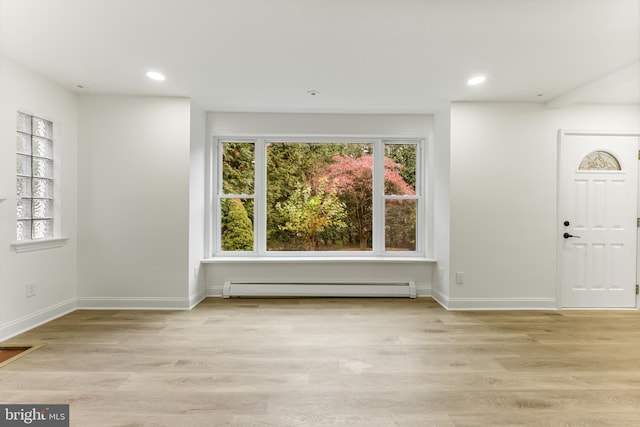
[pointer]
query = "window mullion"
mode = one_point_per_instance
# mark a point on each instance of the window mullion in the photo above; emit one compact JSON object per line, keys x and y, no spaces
{"x":421,"y":186}
{"x":260,"y":189}
{"x":378,"y":197}
{"x":217,"y":191}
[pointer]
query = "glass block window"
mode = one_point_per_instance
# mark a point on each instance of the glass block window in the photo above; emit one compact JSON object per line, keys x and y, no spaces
{"x":34,"y":177}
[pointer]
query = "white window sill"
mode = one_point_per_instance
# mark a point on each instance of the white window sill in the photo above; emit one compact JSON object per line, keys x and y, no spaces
{"x":296,"y":259}
{"x":39,"y":245}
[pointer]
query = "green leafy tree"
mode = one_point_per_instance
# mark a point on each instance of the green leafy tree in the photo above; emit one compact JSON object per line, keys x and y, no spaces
{"x":238,"y":167}
{"x":290,"y":165}
{"x":237,"y":230}
{"x":309,"y":214}
{"x":405,"y":155}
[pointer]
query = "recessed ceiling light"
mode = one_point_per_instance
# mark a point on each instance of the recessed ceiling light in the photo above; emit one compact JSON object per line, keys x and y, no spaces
{"x":473,"y":81}
{"x":153,"y":75}
{"x":313,"y":92}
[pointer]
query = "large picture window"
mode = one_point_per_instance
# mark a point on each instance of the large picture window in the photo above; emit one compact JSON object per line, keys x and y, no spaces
{"x":284,"y":196}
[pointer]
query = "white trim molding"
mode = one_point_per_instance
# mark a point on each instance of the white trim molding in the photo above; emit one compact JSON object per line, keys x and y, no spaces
{"x":38,"y":245}
{"x":378,"y":144}
{"x":215,"y":291}
{"x":319,"y":259}
{"x":46,"y":315}
{"x":440,"y":298}
{"x":498,"y":303}
{"x":564,"y":132}
{"x":196,"y":299}
{"x":33,"y":320}
{"x":134,"y":303}
{"x":423,"y":291}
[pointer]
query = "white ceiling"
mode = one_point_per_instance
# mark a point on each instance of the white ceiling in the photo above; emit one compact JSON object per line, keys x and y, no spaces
{"x":392,"y":56}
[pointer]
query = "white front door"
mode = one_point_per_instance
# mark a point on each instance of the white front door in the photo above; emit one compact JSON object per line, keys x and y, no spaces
{"x":598,"y":176}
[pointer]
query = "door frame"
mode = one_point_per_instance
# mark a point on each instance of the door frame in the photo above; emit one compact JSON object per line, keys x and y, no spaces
{"x":562,"y":133}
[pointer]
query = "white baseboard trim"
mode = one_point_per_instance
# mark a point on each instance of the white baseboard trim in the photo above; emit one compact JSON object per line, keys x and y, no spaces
{"x":214,"y":291}
{"x":26,"y":323}
{"x":440,"y":298}
{"x":23,"y":324}
{"x":134,"y":303}
{"x":498,"y":303}
{"x":423,"y":291}
{"x":196,"y":299}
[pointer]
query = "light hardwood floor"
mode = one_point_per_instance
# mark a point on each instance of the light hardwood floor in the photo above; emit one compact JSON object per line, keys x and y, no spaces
{"x":333,"y":362}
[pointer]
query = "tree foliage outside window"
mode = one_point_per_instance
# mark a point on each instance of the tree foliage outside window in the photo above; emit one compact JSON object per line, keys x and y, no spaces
{"x":294,"y":165}
{"x":313,"y":214}
{"x":237,"y":230}
{"x":319,"y":196}
{"x":237,"y":213}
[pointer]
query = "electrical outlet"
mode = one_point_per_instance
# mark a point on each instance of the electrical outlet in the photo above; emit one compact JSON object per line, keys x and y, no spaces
{"x":460,"y":277}
{"x":31,"y":289}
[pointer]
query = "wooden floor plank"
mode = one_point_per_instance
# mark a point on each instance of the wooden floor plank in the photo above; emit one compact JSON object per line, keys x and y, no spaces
{"x":333,"y":362}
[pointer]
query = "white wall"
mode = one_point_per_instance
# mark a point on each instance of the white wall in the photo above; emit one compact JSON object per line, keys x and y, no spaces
{"x":409,"y":125}
{"x":133,"y":217}
{"x":197,"y":198}
{"x":442,"y":204}
{"x":503,"y":198}
{"x":420,"y":126}
{"x":54,"y":270}
{"x":302,"y":271}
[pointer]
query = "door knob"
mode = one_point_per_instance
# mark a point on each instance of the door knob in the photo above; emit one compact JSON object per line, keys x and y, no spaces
{"x":567,"y":236}
{"x":567,"y":223}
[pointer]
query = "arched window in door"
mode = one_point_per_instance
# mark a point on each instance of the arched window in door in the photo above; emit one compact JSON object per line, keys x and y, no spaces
{"x":598,"y":161}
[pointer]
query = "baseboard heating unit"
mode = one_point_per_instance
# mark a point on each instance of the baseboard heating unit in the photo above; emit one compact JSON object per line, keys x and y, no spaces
{"x":349,"y":289}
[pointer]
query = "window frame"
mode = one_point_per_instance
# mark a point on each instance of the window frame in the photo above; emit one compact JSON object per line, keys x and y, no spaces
{"x":32,"y":177}
{"x":57,"y":239}
{"x":422,"y":197}
{"x":419,"y":195}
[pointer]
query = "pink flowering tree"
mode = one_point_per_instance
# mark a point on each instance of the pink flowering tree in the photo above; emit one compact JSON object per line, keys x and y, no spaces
{"x":352,"y":178}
